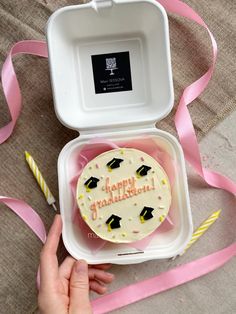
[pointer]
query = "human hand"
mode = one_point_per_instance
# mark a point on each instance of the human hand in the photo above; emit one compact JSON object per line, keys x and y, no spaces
{"x":64,"y":289}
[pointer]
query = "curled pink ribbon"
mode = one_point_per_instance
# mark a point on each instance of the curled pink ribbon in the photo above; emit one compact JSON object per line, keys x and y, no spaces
{"x":188,"y":140}
{"x":183,"y":121}
{"x":10,"y":84}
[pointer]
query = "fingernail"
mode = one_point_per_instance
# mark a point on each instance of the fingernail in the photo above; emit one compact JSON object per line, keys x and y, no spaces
{"x":110,"y":275}
{"x":81,"y":266}
{"x":57,"y":216}
{"x":104,"y":289}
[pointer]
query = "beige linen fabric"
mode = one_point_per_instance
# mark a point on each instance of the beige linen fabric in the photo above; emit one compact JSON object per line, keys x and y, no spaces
{"x":39,"y":132}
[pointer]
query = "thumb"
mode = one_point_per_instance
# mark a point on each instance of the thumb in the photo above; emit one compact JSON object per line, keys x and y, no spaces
{"x":79,"y":289}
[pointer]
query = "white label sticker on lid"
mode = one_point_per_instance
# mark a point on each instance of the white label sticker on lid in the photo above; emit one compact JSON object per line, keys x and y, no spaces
{"x":112,"y":72}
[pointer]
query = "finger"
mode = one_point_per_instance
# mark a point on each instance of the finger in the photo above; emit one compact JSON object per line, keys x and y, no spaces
{"x":101,"y":266}
{"x":48,"y":258}
{"x":66,"y":267}
{"x":98,"y":274}
{"x":53,"y":237}
{"x":97,"y":287}
{"x":79,"y":289}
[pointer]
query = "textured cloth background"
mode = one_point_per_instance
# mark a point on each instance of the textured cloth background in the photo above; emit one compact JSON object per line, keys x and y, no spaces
{"x":39,"y":132}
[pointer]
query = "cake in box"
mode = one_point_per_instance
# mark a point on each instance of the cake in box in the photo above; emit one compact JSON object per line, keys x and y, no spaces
{"x":112,"y":81}
{"x":123,"y":195}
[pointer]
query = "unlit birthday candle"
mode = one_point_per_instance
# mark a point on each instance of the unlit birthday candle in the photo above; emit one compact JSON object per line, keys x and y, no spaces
{"x":202,"y":229}
{"x":42,"y":183}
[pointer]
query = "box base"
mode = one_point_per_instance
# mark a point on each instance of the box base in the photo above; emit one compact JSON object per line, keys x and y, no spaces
{"x":163,"y":245}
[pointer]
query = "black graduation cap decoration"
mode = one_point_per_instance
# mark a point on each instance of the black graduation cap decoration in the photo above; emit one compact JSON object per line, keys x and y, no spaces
{"x":114,"y":163}
{"x":142,"y":171}
{"x":146,"y":214}
{"x":91,"y":183}
{"x":113,"y":222}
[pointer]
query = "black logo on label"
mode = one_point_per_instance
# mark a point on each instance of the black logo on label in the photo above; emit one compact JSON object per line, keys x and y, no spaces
{"x":111,"y":65}
{"x":112,"y":72}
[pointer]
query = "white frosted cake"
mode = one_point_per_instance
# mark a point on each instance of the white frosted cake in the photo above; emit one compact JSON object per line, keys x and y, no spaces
{"x":123,"y":195}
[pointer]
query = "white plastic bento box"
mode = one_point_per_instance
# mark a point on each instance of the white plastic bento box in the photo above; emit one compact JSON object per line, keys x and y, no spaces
{"x":111,"y":78}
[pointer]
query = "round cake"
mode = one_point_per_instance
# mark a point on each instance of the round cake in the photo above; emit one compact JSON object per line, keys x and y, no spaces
{"x":123,"y":195}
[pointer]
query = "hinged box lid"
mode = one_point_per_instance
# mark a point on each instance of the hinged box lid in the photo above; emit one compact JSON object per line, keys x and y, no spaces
{"x":110,"y":64}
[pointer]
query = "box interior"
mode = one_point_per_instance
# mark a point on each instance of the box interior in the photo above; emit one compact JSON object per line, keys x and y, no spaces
{"x":77,"y":33}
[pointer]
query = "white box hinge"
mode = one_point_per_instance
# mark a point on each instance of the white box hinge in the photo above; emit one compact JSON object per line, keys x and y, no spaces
{"x":100,"y":4}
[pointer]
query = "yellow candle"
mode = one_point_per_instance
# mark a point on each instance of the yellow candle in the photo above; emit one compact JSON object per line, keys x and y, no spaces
{"x":202,"y":229}
{"x":41,"y":182}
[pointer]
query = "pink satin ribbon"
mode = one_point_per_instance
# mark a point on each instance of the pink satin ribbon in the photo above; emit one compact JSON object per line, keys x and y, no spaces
{"x":184,"y":126}
{"x":10,"y":84}
{"x":27,"y":214}
{"x":183,"y":122}
{"x":165,"y":281}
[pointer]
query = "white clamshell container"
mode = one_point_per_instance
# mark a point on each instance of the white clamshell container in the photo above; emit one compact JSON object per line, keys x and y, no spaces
{"x":111,"y":78}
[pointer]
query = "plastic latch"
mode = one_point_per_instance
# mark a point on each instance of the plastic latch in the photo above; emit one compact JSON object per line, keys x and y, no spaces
{"x":100,"y":4}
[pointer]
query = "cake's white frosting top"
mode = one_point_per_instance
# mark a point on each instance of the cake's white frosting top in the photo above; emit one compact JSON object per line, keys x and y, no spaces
{"x":123,"y":195}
